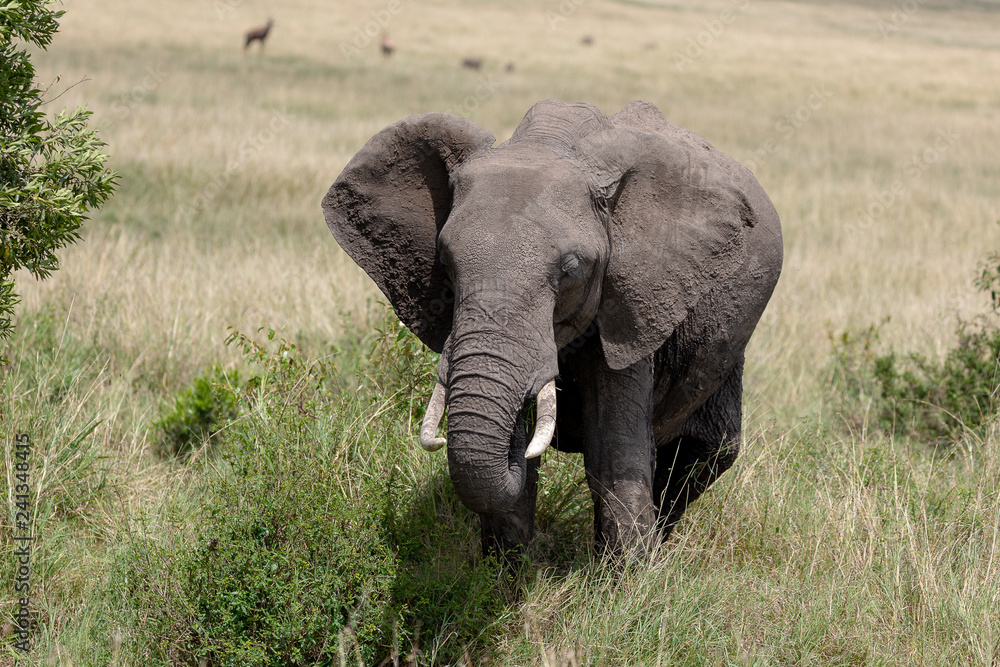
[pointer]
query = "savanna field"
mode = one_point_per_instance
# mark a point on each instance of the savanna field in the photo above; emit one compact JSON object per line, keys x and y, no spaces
{"x":861,"y":525}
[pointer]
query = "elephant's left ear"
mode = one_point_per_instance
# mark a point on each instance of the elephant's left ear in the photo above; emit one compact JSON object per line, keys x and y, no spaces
{"x":677,"y":231}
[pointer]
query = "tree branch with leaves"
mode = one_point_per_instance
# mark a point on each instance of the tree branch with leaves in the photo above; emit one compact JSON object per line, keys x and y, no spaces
{"x":52,"y":170}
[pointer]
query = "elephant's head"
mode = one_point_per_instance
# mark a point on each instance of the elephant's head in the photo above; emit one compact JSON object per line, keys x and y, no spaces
{"x":497,"y":257}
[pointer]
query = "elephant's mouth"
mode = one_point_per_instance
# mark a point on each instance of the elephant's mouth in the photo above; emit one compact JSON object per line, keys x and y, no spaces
{"x":545,"y":420}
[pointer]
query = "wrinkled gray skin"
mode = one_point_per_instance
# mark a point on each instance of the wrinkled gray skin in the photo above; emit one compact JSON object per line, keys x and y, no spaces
{"x":621,"y":255}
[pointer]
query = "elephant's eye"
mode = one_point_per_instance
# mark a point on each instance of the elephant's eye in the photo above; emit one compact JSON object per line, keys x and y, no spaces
{"x":571,"y":266}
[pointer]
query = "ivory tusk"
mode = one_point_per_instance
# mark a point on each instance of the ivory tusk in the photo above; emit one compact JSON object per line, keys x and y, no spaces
{"x":428,"y":429}
{"x":545,"y":421}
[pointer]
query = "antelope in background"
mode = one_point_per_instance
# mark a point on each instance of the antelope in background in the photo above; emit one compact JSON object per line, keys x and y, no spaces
{"x":387,"y":45}
{"x":258,"y":35}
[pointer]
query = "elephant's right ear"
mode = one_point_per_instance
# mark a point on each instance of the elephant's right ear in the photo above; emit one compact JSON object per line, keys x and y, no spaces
{"x":389,"y":204}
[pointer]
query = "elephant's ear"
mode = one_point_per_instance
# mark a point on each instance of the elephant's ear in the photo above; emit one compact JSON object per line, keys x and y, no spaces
{"x":677,"y":230}
{"x":389,"y":204}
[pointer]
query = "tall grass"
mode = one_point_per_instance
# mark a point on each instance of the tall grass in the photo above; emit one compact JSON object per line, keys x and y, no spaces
{"x":829,"y":542}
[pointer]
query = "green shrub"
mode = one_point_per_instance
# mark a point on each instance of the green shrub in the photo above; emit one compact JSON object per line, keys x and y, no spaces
{"x":928,"y":399}
{"x":320,"y":537}
{"x":289,"y":570}
{"x":286,"y":380}
{"x":198,"y":413}
{"x":446,"y":597}
{"x":939,"y":400}
{"x":285,"y":562}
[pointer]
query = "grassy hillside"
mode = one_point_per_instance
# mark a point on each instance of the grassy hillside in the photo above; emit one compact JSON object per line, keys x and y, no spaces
{"x":872,"y":127}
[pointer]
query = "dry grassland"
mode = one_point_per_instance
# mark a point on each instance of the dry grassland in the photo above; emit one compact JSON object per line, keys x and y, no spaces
{"x":831,"y":113}
{"x":874,"y":130}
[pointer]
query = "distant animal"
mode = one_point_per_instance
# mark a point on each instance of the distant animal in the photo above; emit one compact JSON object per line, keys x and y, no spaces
{"x":509,"y":67}
{"x":619,"y":259}
{"x":587,"y":40}
{"x":258,"y":34}
{"x":472,"y":63}
{"x":387,"y":45}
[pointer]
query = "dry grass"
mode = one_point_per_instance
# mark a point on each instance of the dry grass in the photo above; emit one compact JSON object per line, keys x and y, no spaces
{"x":272,"y":132}
{"x":831,"y":112}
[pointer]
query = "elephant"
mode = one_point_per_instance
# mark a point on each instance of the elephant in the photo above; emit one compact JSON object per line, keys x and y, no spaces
{"x":608,"y":269}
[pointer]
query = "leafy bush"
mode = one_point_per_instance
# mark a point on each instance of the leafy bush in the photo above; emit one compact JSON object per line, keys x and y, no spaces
{"x":446,"y":598}
{"x":941,"y":399}
{"x":285,"y":562}
{"x":285,"y":570}
{"x":198,"y":413}
{"x":928,"y":399}
{"x":286,"y":379}
{"x":289,"y":570}
{"x":320,"y":537}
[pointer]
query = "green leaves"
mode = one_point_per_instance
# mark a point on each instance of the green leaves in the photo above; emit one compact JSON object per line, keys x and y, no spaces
{"x":929,"y":399}
{"x":198,"y":413}
{"x":28,"y":20}
{"x":52,"y":172}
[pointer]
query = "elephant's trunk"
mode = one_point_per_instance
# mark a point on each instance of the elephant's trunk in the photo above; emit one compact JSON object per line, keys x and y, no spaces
{"x":487,"y":438}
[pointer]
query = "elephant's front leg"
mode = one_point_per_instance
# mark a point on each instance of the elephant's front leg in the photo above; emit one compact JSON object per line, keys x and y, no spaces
{"x":619,"y":453}
{"x":505,"y":535}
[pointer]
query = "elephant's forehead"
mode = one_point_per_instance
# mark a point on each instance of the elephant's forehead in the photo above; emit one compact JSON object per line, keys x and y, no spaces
{"x":519,"y":178}
{"x":495,"y":231}
{"x":514,"y":204}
